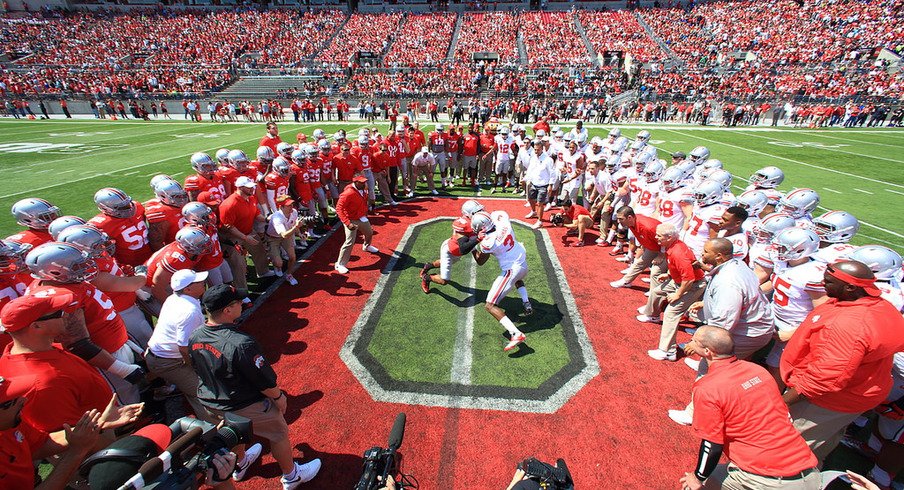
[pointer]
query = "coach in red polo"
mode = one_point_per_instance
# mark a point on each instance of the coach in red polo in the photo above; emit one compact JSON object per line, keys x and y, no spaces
{"x":739,"y":412}
{"x":243,"y":224}
{"x":351,"y":209}
{"x":838,"y":363}
{"x":644,"y":230}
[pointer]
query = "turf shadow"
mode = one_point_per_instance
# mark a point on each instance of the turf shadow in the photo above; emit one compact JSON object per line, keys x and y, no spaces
{"x":297,"y":403}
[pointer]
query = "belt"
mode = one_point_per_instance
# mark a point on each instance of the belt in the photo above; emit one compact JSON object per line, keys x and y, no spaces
{"x":797,"y":476}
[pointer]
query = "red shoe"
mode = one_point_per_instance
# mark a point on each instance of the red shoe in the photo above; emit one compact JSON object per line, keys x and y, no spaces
{"x":425,"y":284}
{"x":517,"y":339}
{"x":617,"y":252}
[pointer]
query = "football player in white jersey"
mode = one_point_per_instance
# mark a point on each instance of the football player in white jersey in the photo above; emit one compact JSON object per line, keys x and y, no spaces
{"x":462,"y":242}
{"x":613,"y":135}
{"x":886,"y":265}
{"x":799,"y":204}
{"x":571,"y":172}
{"x":650,"y":186}
{"x":702,"y":172}
{"x":708,"y":210}
{"x":760,"y":257}
{"x":835,"y":230}
{"x":723,"y":177}
{"x":505,"y":147}
{"x":796,"y":285}
{"x":676,"y":200}
{"x":767,"y":180}
{"x":754,"y":202}
{"x":731,"y":228}
{"x":497,"y":238}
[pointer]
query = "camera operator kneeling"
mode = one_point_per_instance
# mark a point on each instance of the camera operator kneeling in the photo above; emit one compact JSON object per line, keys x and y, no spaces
{"x":235,"y":378}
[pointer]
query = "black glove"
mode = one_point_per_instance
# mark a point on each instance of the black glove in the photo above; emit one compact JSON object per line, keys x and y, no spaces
{"x":136,"y":376}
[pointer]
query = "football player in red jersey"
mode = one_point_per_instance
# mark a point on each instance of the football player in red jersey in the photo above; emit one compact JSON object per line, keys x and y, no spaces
{"x":184,"y":253}
{"x":218,"y":271}
{"x":122,"y":219}
{"x":164,"y":214}
{"x":14,"y":276}
{"x":315,"y":167}
{"x":207,"y":180}
{"x":301,"y":177}
{"x":277,"y":181}
{"x":36,"y":215}
{"x":239,"y":166}
{"x":272,"y":138}
{"x":97,"y":334}
{"x":462,"y":242}
{"x":327,"y":173}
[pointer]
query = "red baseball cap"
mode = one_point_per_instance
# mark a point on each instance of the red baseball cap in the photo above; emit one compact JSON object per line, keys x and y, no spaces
{"x":359,"y":178}
{"x":17,"y":387}
{"x":25,"y":310}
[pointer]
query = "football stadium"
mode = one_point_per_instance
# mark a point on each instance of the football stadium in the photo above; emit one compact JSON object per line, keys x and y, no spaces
{"x":451,"y":245}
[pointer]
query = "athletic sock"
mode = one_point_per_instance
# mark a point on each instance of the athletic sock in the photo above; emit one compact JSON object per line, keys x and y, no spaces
{"x":509,"y":326}
{"x":523,"y":292}
{"x":880,"y":476}
{"x":292,"y":474}
{"x":610,"y":236}
{"x":874,"y":443}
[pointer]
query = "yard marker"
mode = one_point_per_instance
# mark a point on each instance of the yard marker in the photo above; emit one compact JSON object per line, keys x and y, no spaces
{"x":130,"y":173}
{"x":863,"y":191}
{"x":462,"y":356}
{"x":831,"y":190}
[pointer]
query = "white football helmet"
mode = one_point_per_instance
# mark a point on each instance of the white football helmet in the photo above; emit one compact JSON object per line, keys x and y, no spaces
{"x":687,"y":168}
{"x":712,"y":164}
{"x":203,"y":164}
{"x":721,"y":176}
{"x":643,"y":135}
{"x":12,"y":257}
{"x":766,"y":229}
{"x":753,"y":201}
{"x":363,"y":140}
{"x":222,"y":155}
{"x":637,"y":145}
{"x":60,"y":262}
{"x":884,"y":262}
{"x":238,"y":160}
{"x":281,"y":166}
{"x":318,"y":134}
{"x":61,"y":223}
{"x":35,"y":213}
{"x":114,"y":202}
{"x":672,"y":178}
{"x":836,"y":226}
{"x":470,"y":208}
{"x":795,"y":243}
{"x":699,"y":155}
{"x":799,"y":202}
{"x":170,"y":192}
{"x":284,"y":149}
{"x":708,"y":192}
{"x":653,"y":171}
{"x":89,"y":239}
{"x":767,"y":178}
{"x":310,"y":149}
{"x":482,"y":222}
{"x":299,"y":157}
{"x":620,"y":144}
{"x":197,"y":213}
{"x":193,"y":240}
{"x":265,"y":155}
{"x":324,"y":146}
{"x":615,"y":133}
{"x":159,"y":178}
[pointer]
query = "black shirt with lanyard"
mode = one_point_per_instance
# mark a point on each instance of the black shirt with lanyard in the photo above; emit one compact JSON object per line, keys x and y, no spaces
{"x":231,"y":367}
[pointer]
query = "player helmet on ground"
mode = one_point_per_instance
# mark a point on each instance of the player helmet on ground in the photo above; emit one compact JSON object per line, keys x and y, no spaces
{"x":699,"y":155}
{"x":197,"y":213}
{"x":12,"y":257}
{"x":884,"y":262}
{"x":281,"y":166}
{"x":222,"y":156}
{"x":795,"y":243}
{"x":88,"y":238}
{"x":753,"y":201}
{"x":61,"y":262}
{"x":767,"y":178}
{"x":615,"y":133}
{"x":672,"y":178}
{"x":159,"y":178}
{"x":653,"y":171}
{"x":836,"y":226}
{"x":115,"y":203}
{"x":265,"y":155}
{"x":482,"y":222}
{"x":35,"y":213}
{"x":193,"y":240}
{"x":318,"y":134}
{"x":63,"y":222}
{"x":798,"y":202}
{"x":708,"y":192}
{"x":643,"y":135}
{"x":203,"y":164}
{"x":470,"y":208}
{"x":170,"y":192}
{"x":324,"y":146}
{"x":770,"y":225}
{"x":721,"y":176}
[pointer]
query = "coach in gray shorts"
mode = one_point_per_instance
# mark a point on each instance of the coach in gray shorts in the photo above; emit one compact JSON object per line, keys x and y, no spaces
{"x":540,"y":176}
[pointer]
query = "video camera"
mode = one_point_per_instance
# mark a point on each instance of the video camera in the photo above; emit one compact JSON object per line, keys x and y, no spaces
{"x":184,"y":463}
{"x":548,"y":476}
{"x":379,"y":462}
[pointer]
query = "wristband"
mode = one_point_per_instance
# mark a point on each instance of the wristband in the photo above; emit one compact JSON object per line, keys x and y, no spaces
{"x":121,"y":369}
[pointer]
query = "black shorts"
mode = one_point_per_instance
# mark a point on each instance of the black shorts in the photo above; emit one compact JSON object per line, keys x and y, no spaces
{"x":537,"y":193}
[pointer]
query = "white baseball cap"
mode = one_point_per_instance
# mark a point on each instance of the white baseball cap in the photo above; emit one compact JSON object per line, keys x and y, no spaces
{"x":244,"y":182}
{"x":183,"y":278}
{"x":424,"y":149}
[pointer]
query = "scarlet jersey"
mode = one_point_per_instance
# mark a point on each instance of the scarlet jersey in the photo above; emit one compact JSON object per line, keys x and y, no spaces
{"x":454,"y":143}
{"x":698,"y":232}
{"x":105,"y":327}
{"x":213,"y":186}
{"x":501,"y":243}
{"x":462,"y":227}
{"x":130,"y":235}
{"x":172,"y":258}
{"x":11,"y":287}
{"x":31,"y":237}
{"x":122,"y":301}
{"x":315,"y":169}
{"x":302,"y":183}
{"x":157,"y":212}
{"x":277,"y":183}
{"x":214,"y":258}
{"x":229,"y":174}
{"x":362,"y":156}
{"x":438,"y":142}
{"x":470,"y":145}
{"x":645,"y":199}
{"x":487,"y":142}
{"x":791,"y":302}
{"x":833,"y":253}
{"x":326,"y":168}
{"x":669,"y":207}
{"x":504,"y":145}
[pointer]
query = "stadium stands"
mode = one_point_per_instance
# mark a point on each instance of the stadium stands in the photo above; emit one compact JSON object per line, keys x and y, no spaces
{"x":422,"y":40}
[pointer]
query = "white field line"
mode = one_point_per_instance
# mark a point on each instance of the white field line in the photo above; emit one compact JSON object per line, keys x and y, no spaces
{"x":823,"y":135}
{"x":895,"y":192}
{"x":463,"y":356}
{"x":863,"y":191}
{"x":836,"y":150}
{"x":798,"y":162}
{"x":831,"y":190}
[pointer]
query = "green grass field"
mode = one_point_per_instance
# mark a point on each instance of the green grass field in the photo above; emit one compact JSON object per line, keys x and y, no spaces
{"x":65,"y":162}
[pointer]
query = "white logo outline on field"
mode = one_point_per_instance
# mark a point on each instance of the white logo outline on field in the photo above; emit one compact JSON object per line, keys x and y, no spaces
{"x":806,"y":144}
{"x":566,"y":391}
{"x":56,"y":148}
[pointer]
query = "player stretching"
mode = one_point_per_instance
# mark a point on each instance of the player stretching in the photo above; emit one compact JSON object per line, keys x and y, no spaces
{"x":462,"y":242}
{"x":498,"y":238}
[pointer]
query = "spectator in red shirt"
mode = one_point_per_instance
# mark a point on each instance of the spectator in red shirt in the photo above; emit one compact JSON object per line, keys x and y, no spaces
{"x":577,"y":219}
{"x":740,"y":413}
{"x":243,"y":225}
{"x":351,"y":209}
{"x":680,"y":287}
{"x":838,"y":363}
{"x":271,"y":139}
{"x":644,"y":230}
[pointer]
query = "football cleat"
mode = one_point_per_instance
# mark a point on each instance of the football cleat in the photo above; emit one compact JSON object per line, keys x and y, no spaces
{"x":425,"y":283}
{"x":528,"y":308}
{"x":517,"y":339}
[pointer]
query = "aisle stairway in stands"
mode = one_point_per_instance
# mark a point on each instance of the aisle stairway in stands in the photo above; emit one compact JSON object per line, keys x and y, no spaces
{"x":392,"y":38}
{"x":450,"y":55}
{"x":329,"y":41}
{"x":522,"y":50}
{"x":580,"y":28}
{"x":673,"y":58}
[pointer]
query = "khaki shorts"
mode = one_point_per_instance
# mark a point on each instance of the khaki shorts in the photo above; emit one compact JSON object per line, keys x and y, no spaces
{"x":266,"y":420}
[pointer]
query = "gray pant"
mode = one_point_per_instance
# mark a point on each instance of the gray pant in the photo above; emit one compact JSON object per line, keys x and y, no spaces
{"x":238,"y":263}
{"x":730,"y":477}
{"x":820,"y":427}
{"x":654,"y":259}
{"x":345,"y":253}
{"x":672,"y":312}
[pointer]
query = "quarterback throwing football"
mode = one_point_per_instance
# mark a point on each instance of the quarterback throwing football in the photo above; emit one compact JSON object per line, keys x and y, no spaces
{"x":497,"y":238}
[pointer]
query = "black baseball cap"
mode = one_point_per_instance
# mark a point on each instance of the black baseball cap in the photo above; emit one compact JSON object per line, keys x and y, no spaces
{"x":679,"y":154}
{"x":221,"y":296}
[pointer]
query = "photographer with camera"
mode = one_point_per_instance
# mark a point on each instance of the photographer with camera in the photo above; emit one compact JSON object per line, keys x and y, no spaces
{"x":235,"y":378}
{"x":533,"y":474}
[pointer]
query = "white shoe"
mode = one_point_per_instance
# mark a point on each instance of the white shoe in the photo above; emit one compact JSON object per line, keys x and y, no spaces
{"x":645,"y":279}
{"x":371,"y":249}
{"x":393,"y":203}
{"x":530,"y":215}
{"x":624,"y":271}
{"x":681,"y":417}
{"x":410,"y":194}
{"x":547,"y":207}
{"x":600,"y":240}
{"x":341,"y":269}
{"x":537,"y":225}
{"x":648,"y":319}
{"x":251,"y":455}
{"x":625,"y":258}
{"x":517,"y":339}
{"x":647,"y":294}
{"x":434,"y":192}
{"x":313,"y":235}
{"x":278,"y":273}
{"x":619,"y":284}
{"x":269,"y":273}
{"x":303,"y":474}
{"x":642,"y":309}
{"x":291,"y":280}
{"x":527,"y":204}
{"x":660,"y":355}
{"x":691,"y":363}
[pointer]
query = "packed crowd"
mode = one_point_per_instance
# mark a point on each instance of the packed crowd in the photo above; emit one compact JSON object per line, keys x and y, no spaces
{"x":619,"y":31}
{"x":551,"y":39}
{"x":489,"y":31}
{"x":362,"y":32}
{"x":423,"y":39}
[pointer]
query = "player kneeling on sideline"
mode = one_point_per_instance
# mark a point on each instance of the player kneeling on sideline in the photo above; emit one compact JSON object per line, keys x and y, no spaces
{"x":462,"y":242}
{"x":498,"y":238}
{"x":577,"y":219}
